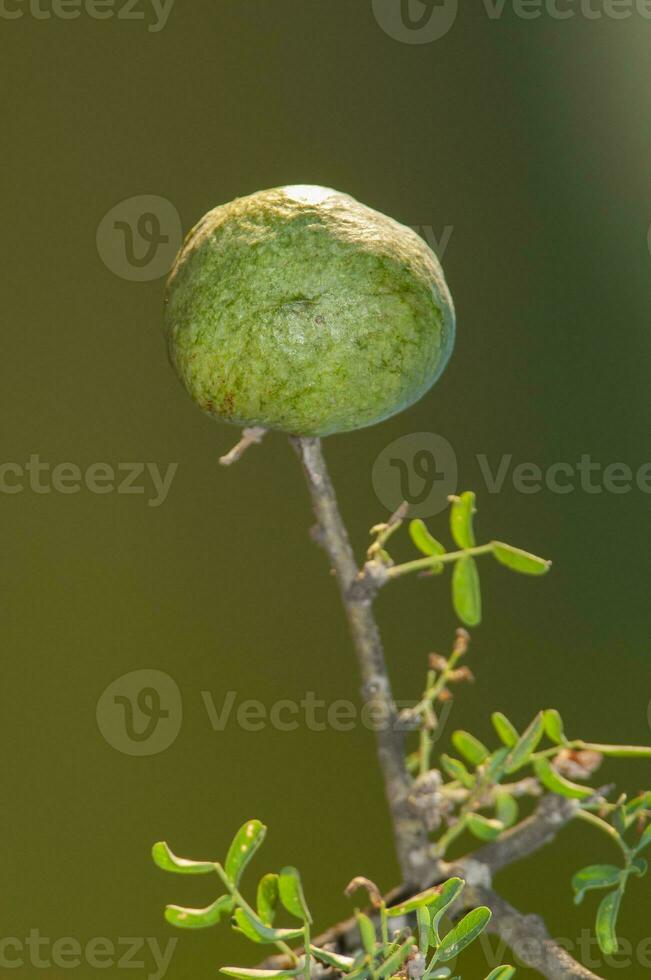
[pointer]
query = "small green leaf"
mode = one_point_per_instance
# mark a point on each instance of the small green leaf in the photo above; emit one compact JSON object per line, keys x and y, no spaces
{"x":470,"y":747}
{"x":644,"y":840}
{"x":641,"y":802}
{"x":639,"y":867}
{"x":240,"y":973}
{"x":393,"y":963}
{"x":506,"y":809}
{"x":594,"y":876}
{"x":518,"y":560}
{"x":552,"y":780}
{"x":456,"y":770}
{"x":424,"y":928}
{"x":184,"y":918}
{"x":436,"y":899}
{"x":606,"y":927}
{"x":245,"y":843}
{"x":367,"y":932}
{"x":291,"y":894}
{"x":494,"y":768}
{"x":424,"y":540}
{"x":618,"y":818}
{"x":483,"y":828}
{"x":168,"y":861}
{"x":461,"y":514}
{"x":466,"y":591}
{"x":254,"y":929}
{"x":464,"y":933}
{"x":507,"y":732}
{"x":335,"y":960}
{"x":267,"y":898}
{"x":554,"y":726}
{"x":241,"y":923}
{"x":501,"y":973}
{"x":526,"y":744}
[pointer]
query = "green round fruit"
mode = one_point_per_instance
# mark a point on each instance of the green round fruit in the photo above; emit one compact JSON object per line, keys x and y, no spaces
{"x":302,"y":310}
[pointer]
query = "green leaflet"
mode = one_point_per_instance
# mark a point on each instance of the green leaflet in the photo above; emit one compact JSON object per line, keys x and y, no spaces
{"x":464,"y":933}
{"x":267,"y":898}
{"x":470,"y":747}
{"x":259,"y":932}
{"x":184,"y":918}
{"x":641,"y":802}
{"x":342,"y":963}
{"x":507,"y":732}
{"x":554,"y":726}
{"x":245,"y":843}
{"x":424,"y":922}
{"x":483,"y":828}
{"x":518,"y":560}
{"x":168,"y":861}
{"x":291,"y":894}
{"x":552,"y":780}
{"x":424,"y":541}
{"x":606,"y":927}
{"x":594,"y":876}
{"x":436,"y":899}
{"x":526,"y":744}
{"x":461,"y":514}
{"x":367,"y":932}
{"x":644,"y":840}
{"x":506,"y":809}
{"x":466,"y":591}
{"x":501,"y":973}
{"x":395,"y":961}
{"x":456,"y":770}
{"x":494,"y":767}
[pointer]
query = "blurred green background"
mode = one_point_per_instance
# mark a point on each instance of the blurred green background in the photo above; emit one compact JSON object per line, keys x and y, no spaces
{"x":531,"y":139}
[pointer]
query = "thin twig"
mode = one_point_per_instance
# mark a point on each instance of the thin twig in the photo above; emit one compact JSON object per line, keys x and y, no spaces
{"x":411,"y":840}
{"x":250,"y":437}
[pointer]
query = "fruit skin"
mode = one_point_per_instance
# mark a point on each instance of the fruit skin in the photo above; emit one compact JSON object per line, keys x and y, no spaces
{"x":302,"y":310}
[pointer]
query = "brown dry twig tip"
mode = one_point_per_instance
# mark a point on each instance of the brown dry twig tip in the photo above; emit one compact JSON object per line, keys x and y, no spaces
{"x":374,"y":893}
{"x":250,"y":437}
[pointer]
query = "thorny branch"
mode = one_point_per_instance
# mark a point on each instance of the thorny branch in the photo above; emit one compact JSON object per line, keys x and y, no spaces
{"x":526,"y":935}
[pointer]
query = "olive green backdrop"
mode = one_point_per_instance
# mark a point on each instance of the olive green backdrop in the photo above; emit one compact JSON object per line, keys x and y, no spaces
{"x":531,"y":138}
